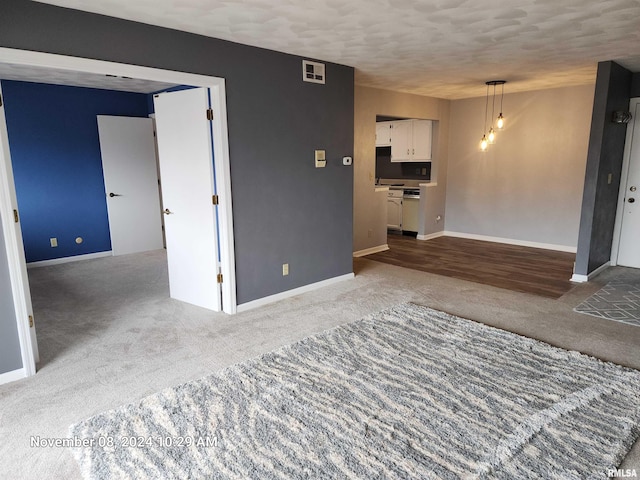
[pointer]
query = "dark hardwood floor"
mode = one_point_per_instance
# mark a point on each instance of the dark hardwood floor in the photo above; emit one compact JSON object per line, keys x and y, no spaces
{"x":523,"y":269}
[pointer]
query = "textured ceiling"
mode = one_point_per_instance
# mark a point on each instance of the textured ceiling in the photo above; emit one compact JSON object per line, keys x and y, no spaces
{"x":441,"y":48}
{"x":9,"y":71}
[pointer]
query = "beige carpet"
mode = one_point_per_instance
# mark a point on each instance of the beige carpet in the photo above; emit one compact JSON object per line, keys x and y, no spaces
{"x":109,"y":335}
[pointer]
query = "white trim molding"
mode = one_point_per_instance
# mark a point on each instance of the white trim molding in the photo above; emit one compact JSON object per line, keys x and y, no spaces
{"x":369,"y":251}
{"x":510,"y":241}
{"x":15,"y":254}
{"x":12,"y":376}
{"x":243,"y":307}
{"x":74,"y":258}
{"x":430,"y":236}
{"x":577,"y":278}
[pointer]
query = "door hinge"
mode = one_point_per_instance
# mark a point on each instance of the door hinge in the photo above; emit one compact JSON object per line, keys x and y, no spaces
{"x":0,"y":100}
{"x":30,"y":321}
{"x":215,"y":199}
{"x":209,"y":114}
{"x":15,"y":216}
{"x":219,"y":278}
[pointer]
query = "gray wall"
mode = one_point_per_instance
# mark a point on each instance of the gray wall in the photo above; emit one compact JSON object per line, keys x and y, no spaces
{"x":606,"y":150}
{"x":285,"y":210}
{"x":10,"y":358}
{"x":528,"y":185}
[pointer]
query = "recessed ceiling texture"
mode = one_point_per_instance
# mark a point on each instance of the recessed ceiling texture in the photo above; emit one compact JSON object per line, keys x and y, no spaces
{"x":439,"y":48}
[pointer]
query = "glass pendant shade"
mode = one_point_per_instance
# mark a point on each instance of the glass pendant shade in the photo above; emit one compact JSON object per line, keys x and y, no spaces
{"x":484,"y":143}
{"x":492,"y":135}
{"x":500,"y":122}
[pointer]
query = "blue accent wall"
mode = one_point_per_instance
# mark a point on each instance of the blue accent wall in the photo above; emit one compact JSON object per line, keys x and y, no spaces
{"x":55,"y":152}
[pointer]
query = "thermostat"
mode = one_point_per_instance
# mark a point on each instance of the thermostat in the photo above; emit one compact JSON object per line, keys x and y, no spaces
{"x":347,"y":160}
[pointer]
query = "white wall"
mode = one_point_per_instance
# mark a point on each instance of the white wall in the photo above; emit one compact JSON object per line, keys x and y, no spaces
{"x":528,"y":185}
{"x":369,"y":216}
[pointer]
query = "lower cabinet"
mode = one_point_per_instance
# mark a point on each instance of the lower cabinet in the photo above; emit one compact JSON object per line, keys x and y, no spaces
{"x":394,"y":210}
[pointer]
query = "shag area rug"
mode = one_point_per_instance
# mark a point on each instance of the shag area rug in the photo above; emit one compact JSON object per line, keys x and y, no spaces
{"x":406,"y":393}
{"x":618,"y":300}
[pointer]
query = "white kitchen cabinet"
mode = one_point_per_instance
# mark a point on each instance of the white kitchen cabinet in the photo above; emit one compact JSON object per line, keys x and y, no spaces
{"x":383,"y":134}
{"x":411,"y":141}
{"x":401,"y":141}
{"x":394,"y":210}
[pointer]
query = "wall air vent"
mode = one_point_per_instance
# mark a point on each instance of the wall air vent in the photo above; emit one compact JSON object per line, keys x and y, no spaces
{"x":313,"y":72}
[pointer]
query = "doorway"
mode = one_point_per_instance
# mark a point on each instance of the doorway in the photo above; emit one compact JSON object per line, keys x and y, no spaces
{"x":625,"y":250}
{"x":12,"y":232}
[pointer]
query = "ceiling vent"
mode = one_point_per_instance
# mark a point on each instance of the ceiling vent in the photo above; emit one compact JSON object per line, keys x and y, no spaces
{"x":313,"y":72}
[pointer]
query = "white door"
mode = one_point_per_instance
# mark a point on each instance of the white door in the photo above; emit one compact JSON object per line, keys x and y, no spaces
{"x":130,"y":172}
{"x":186,"y":171}
{"x":629,"y":247}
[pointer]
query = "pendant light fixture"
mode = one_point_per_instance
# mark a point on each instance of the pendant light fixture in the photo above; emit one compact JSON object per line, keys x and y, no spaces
{"x":500,"y":121}
{"x":484,"y":143}
{"x":490,"y":138}
{"x":492,"y":132}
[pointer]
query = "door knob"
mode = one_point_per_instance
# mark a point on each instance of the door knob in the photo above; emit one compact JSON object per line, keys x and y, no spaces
{"x":631,"y":200}
{"x":633,"y":189}
{"x":167,"y":211}
{"x":114,"y":195}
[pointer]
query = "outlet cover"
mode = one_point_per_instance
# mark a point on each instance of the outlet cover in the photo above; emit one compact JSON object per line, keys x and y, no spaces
{"x":285,"y":269}
{"x":53,"y":241}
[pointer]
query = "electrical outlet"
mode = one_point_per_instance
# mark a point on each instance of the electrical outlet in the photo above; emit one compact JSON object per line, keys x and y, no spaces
{"x":609,"y":178}
{"x":370,"y":233}
{"x":285,"y":269}
{"x":53,"y":241}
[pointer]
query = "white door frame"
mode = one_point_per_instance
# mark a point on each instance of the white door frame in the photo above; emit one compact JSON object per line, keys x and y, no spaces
{"x":15,"y":254}
{"x":221,"y":155}
{"x":617,"y":229}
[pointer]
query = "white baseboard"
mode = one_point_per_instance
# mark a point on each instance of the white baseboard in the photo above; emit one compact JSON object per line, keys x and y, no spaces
{"x":75,"y":258}
{"x":510,"y":241}
{"x":369,"y":251}
{"x":12,"y":376}
{"x":585,"y":278}
{"x":292,"y":293}
{"x":430,"y":236}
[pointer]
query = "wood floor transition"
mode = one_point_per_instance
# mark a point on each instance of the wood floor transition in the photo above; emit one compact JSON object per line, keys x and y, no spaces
{"x":522,"y":269}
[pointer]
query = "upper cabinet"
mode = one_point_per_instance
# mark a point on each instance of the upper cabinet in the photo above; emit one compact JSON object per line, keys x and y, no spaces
{"x":383,"y":134}
{"x":410,"y":140}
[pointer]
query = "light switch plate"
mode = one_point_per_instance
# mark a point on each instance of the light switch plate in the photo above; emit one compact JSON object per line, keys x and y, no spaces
{"x":347,"y":160}
{"x":321,"y":160}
